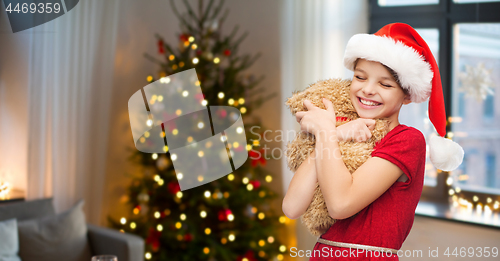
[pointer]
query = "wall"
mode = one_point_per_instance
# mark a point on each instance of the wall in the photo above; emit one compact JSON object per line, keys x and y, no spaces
{"x":14,"y":66}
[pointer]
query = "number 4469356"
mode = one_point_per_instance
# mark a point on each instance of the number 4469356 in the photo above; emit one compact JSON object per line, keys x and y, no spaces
{"x":33,"y":8}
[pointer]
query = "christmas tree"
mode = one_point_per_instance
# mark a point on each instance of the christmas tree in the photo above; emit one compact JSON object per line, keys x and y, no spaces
{"x":230,"y":218}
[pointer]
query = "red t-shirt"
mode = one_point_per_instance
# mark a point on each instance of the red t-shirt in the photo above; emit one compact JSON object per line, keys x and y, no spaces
{"x":387,"y":221}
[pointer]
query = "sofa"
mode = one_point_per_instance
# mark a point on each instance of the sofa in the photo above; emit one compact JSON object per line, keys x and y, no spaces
{"x":98,"y":240}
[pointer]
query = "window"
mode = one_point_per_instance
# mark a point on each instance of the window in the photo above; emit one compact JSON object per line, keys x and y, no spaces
{"x":464,"y":36}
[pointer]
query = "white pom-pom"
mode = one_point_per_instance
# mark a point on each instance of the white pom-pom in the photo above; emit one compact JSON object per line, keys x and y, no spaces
{"x":445,"y":154}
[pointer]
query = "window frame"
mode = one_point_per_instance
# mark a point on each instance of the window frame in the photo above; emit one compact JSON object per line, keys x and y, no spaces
{"x":441,"y":16}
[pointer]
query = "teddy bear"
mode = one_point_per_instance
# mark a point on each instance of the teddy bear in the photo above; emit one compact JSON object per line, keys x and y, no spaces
{"x":316,"y":218}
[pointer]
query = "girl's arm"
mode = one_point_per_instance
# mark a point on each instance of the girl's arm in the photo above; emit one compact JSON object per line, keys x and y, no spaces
{"x":301,"y":189}
{"x":346,"y":194}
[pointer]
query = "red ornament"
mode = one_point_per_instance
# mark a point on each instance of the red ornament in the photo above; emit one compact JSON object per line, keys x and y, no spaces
{"x":184,"y":37}
{"x":153,"y":239}
{"x":256,"y":157}
{"x":222,"y":215}
{"x":161,"y":48}
{"x":222,"y":113}
{"x":199,"y":97}
{"x":249,"y":255}
{"x":173,"y":187}
{"x":255,"y":183}
{"x":188,"y":237}
{"x":227,"y":52}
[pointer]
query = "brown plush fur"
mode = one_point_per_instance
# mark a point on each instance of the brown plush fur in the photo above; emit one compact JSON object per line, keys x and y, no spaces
{"x":316,"y":218}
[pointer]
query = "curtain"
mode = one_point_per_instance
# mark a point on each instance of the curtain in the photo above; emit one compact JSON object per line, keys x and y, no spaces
{"x":314,"y":36}
{"x":69,"y":95}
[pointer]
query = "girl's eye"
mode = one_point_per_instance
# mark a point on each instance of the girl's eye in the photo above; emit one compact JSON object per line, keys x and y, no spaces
{"x":386,"y":85}
{"x":359,"y":77}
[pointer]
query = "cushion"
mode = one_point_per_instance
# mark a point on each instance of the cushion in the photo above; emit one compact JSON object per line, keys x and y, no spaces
{"x":58,"y":237}
{"x":27,"y":209}
{"x":10,"y":242}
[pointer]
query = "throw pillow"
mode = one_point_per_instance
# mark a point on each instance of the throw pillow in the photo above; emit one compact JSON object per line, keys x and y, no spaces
{"x":10,"y":242}
{"x":58,"y":237}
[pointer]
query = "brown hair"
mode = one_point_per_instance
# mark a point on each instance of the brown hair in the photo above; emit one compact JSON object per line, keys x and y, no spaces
{"x":392,"y":72}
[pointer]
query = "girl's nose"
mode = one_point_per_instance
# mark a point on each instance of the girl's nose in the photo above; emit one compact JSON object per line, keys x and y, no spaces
{"x":369,"y":89}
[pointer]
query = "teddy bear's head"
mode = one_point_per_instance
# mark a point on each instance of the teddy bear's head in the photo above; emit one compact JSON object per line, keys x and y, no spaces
{"x":336,"y":90}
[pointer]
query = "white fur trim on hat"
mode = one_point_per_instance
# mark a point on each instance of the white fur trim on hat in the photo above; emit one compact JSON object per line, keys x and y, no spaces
{"x":413,"y":71}
{"x":445,"y":154}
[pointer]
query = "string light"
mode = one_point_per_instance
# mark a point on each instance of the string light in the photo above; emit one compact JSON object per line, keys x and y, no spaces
{"x":154,"y":156}
{"x":203,"y":214}
{"x":216,"y":60}
{"x":191,"y":39}
{"x":207,"y":194}
{"x":133,"y":225}
{"x":269,"y":178}
{"x":230,"y":177}
{"x":195,"y":60}
{"x":241,"y":101}
{"x":245,"y":180}
{"x":123,"y":221}
{"x":159,"y":227}
{"x":230,"y":101}
{"x":231,"y":237}
{"x":147,"y":255}
{"x":220,"y":95}
{"x":171,"y":57}
{"x":157,"y":215}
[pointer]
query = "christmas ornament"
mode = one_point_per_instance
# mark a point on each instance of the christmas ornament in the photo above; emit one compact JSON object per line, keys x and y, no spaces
{"x":161,"y":47}
{"x":256,"y":157}
{"x":153,"y":239}
{"x":173,"y":187}
{"x":227,"y":52}
{"x":249,"y":255}
{"x":255,"y":184}
{"x":143,"y":197}
{"x":162,"y":162}
{"x":476,"y":82}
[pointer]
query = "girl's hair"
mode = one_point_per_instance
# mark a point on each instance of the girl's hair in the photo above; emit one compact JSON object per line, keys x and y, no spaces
{"x":392,"y":72}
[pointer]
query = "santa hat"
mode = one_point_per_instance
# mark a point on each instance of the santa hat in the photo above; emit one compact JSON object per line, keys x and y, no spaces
{"x":401,"y":48}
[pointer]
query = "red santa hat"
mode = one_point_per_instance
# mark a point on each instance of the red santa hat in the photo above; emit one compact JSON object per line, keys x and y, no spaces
{"x":401,"y":48}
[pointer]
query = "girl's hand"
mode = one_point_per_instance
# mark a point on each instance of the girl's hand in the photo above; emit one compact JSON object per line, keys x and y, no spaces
{"x":358,"y":130}
{"x":315,"y":119}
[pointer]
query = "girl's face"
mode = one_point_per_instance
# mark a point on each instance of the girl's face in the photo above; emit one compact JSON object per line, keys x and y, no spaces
{"x":375,"y":93}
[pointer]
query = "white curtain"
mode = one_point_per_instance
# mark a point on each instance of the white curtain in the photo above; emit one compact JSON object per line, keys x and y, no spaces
{"x":70,"y":86}
{"x":314,"y":36}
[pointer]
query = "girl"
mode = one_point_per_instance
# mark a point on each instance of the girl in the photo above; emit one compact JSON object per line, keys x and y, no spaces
{"x":391,"y":67}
